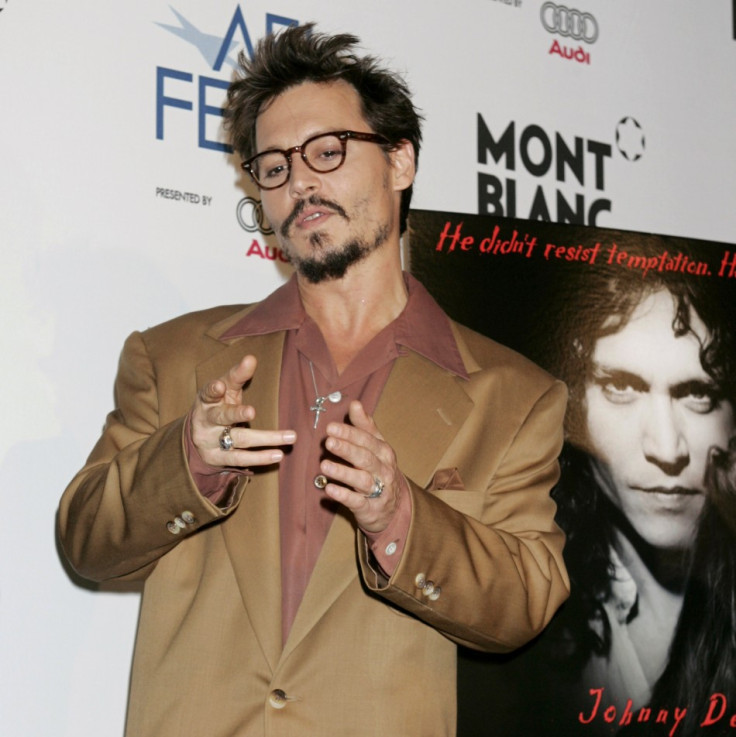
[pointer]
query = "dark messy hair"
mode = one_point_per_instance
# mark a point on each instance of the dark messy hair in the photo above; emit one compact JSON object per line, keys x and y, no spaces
{"x":603,"y":299}
{"x":298,"y":54}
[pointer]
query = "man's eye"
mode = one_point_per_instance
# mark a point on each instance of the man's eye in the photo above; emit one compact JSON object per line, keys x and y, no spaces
{"x":701,"y":402}
{"x":698,"y":396}
{"x":618,"y":392}
{"x":274,"y":171}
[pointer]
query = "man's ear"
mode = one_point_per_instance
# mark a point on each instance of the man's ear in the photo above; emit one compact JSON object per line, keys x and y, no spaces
{"x":403,"y":165}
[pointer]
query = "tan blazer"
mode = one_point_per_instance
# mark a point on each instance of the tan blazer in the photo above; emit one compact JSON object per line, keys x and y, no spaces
{"x":365,"y":656}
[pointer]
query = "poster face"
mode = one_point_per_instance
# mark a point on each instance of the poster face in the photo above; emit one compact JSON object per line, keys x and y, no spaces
{"x":641,"y":329}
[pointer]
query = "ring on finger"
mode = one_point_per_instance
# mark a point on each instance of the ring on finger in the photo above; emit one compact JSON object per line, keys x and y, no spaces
{"x":226,"y":441}
{"x":376,"y":489}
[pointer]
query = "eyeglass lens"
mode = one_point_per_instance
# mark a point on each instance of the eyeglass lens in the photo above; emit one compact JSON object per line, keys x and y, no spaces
{"x":323,"y":153}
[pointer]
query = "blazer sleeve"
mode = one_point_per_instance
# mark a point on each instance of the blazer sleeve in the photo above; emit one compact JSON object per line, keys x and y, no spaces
{"x":135,"y":498}
{"x":490,"y":579}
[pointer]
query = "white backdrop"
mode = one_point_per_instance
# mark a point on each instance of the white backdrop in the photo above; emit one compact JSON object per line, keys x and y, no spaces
{"x":96,"y":242}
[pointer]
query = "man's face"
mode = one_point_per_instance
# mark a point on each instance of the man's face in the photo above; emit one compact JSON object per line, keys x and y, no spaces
{"x":324,"y":222}
{"x":653,"y":414}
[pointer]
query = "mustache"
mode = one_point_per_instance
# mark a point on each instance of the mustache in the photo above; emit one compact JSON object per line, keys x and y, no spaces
{"x":313,"y":201}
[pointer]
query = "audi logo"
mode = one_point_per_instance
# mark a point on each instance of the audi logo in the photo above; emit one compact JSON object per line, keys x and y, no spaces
{"x":250,"y":216}
{"x":569,"y":23}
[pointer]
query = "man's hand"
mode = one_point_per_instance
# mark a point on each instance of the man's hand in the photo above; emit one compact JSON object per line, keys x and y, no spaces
{"x":369,"y":458}
{"x":220,"y":404}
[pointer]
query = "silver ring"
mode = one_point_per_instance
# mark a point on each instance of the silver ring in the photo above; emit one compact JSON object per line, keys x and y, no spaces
{"x":376,"y":489}
{"x":226,"y":442}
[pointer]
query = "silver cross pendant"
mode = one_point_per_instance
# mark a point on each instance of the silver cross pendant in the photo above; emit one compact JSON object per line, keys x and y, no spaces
{"x":319,"y":406}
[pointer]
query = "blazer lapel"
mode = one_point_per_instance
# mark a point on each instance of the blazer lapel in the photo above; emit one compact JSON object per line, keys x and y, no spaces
{"x":252,"y":533}
{"x":337,"y":566}
{"x":421,"y":410}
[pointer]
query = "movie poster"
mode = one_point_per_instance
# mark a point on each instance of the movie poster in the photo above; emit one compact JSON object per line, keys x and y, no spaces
{"x":641,"y":329}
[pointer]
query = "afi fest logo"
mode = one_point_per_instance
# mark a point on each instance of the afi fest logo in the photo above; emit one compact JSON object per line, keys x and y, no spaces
{"x":185,"y":97}
{"x":182,"y":92}
{"x":570,"y":24}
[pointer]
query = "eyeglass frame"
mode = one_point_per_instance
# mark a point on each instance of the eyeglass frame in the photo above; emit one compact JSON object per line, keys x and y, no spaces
{"x":342,"y":136}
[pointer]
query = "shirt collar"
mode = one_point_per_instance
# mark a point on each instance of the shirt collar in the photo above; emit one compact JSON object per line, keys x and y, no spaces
{"x":422,"y":326}
{"x":281,"y":310}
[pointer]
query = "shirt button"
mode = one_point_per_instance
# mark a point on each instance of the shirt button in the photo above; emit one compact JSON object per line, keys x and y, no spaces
{"x":391,"y":548}
{"x":320,"y":481}
{"x":277,"y":698}
{"x":173,"y":528}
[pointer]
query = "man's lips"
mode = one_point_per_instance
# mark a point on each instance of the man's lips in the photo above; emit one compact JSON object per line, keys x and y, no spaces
{"x":310,"y":216}
{"x":667,"y":490}
{"x":309,"y":211}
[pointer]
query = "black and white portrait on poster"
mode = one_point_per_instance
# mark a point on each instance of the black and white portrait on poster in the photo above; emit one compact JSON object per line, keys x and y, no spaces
{"x":641,"y":328}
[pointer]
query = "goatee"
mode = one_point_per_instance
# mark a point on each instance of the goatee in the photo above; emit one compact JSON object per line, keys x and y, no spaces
{"x":334,"y":264}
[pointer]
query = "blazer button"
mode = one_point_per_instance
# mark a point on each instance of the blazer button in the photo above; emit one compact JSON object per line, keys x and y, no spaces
{"x":277,"y":698}
{"x":420,"y":580}
{"x":428,"y":588}
{"x":320,"y":481}
{"x":435,"y":594}
{"x":173,"y":528}
{"x":188,"y":517}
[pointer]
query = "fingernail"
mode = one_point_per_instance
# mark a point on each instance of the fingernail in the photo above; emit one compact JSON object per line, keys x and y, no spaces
{"x":277,"y":455}
{"x":289,"y":437}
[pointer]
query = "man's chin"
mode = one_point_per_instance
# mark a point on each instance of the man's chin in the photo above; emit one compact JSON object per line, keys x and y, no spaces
{"x":329,"y":266}
{"x":332,"y":262}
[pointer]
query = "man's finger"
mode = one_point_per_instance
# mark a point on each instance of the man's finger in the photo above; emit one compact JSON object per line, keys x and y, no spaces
{"x":240,"y":373}
{"x":248,"y":438}
{"x":353,"y":451}
{"x":226,"y":415}
{"x":247,"y":458}
{"x":362,"y":420}
{"x":232,"y":382}
{"x":213,"y":392}
{"x":352,"y":478}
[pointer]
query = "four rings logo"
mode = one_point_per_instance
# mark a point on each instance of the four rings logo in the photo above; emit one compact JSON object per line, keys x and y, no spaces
{"x":251,"y":218}
{"x":569,"y":23}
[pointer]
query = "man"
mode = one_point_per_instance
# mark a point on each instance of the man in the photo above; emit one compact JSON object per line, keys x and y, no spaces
{"x":311,"y":580}
{"x":650,"y":368}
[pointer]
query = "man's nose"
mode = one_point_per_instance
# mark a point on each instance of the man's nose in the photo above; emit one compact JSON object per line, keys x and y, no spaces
{"x":302,"y":179}
{"x":663,"y":442}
